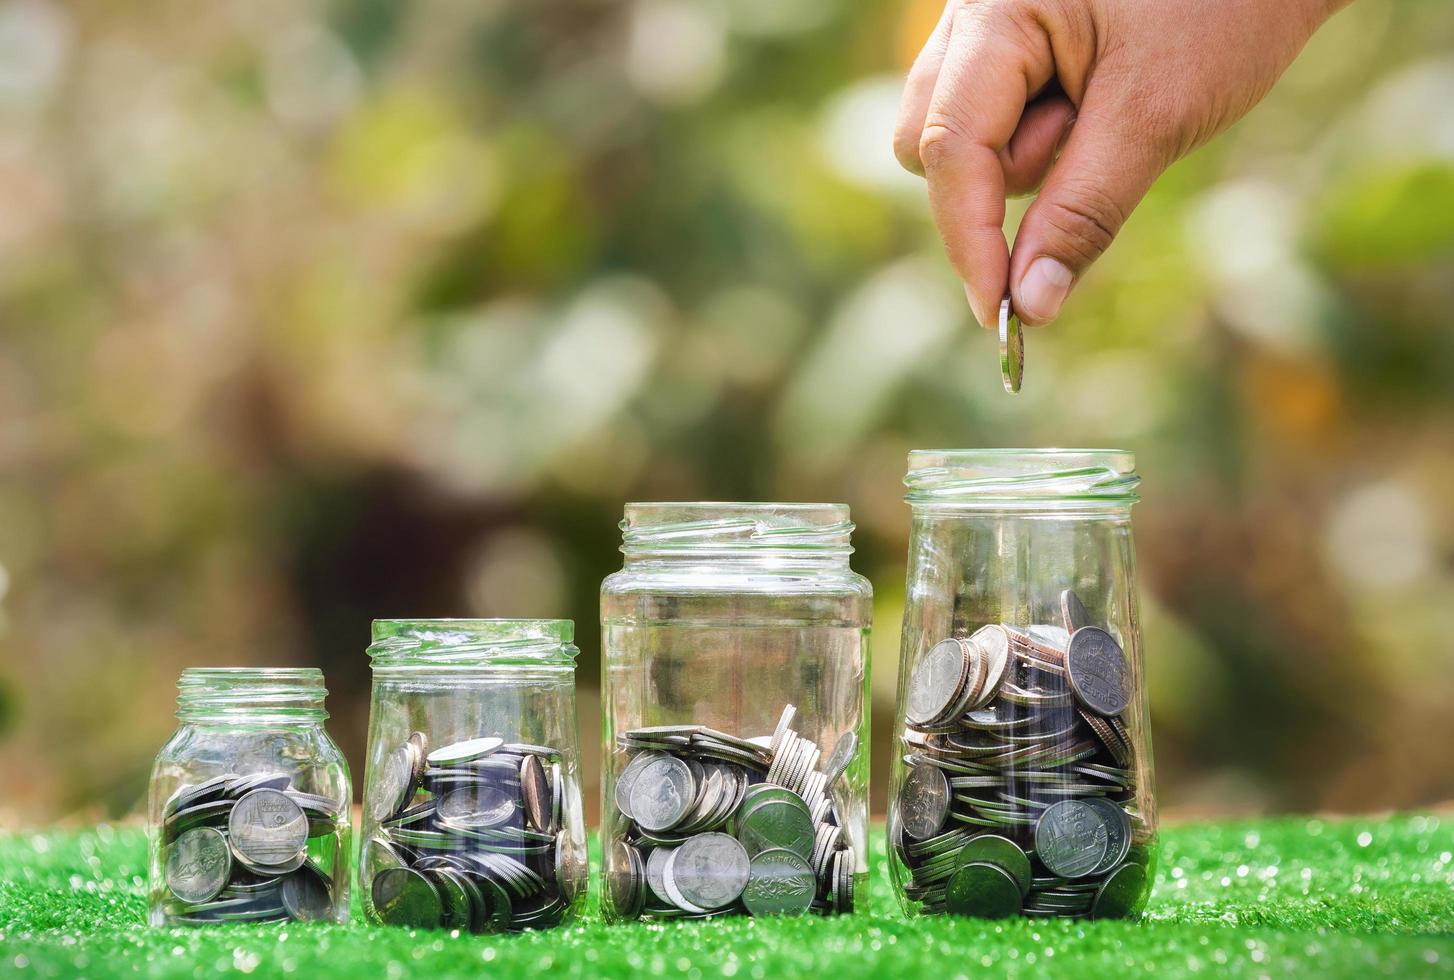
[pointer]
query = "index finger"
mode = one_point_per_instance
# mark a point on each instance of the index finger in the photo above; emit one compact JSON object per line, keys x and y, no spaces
{"x":997,"y":57}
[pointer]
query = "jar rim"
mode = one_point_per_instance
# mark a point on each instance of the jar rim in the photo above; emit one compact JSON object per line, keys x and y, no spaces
{"x":251,"y":693}
{"x":464,"y":642}
{"x":1003,"y":478}
{"x":765,"y":528}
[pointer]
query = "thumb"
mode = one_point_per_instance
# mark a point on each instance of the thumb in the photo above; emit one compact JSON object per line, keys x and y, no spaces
{"x":1102,"y":174}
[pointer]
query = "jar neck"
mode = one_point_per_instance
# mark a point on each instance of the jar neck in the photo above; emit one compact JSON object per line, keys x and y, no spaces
{"x":284,"y":696}
{"x":768,"y":536}
{"x":453,"y":646}
{"x":1075,"y":483}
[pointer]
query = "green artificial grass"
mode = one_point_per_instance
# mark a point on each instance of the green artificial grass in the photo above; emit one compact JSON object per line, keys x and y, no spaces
{"x":1331,"y":898}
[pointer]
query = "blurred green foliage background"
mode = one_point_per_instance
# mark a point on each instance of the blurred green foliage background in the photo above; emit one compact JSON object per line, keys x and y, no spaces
{"x":312,"y":312}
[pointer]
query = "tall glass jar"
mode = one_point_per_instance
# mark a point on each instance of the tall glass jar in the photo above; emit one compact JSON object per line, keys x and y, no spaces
{"x":735,"y":670}
{"x":1022,"y":780}
{"x":248,"y":809}
{"x":472,"y":816}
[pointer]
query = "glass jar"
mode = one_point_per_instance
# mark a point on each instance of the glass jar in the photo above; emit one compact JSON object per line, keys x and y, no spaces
{"x":472,"y":816}
{"x":248,"y":809}
{"x":734,"y":673}
{"x":1022,"y":772}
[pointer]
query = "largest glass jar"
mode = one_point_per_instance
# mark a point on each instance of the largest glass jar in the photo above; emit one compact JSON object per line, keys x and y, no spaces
{"x":734,"y":674}
{"x":1022,"y":774}
{"x":472,"y":816}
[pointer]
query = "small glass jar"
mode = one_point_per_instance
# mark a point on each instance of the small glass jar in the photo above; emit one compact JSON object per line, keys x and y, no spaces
{"x":735,"y":673}
{"x":472,"y":816}
{"x":1022,"y":780}
{"x":248,"y":809}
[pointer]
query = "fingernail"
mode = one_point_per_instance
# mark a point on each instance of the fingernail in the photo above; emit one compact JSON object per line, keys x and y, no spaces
{"x":1042,"y":289}
{"x":972,"y":306}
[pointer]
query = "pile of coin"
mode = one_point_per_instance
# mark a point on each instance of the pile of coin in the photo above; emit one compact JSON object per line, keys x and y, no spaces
{"x":709,"y":824}
{"x":234,"y":848}
{"x":471,"y":836}
{"x":1019,"y":796}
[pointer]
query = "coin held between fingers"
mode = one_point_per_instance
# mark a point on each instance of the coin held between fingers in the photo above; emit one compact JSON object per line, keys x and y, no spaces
{"x":1012,"y":348}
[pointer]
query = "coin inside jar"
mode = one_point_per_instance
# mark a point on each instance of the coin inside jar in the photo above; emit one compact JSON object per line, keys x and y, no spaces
{"x":709,"y":870}
{"x":198,"y":865}
{"x":1071,"y":838}
{"x":267,"y":828}
{"x":702,"y":804}
{"x":404,"y":897}
{"x":983,"y":890}
{"x":924,"y":801}
{"x":1040,"y":784}
{"x":779,"y":882}
{"x":1096,"y":666}
{"x":663,"y":793}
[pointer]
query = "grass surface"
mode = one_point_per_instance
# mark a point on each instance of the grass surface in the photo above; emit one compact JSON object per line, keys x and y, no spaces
{"x":1290,"y":896}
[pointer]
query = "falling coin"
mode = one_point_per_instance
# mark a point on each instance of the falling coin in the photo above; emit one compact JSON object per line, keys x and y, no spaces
{"x":1012,"y":348}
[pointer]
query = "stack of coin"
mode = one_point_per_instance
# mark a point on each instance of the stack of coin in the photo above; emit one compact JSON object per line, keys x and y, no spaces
{"x":710,"y":824}
{"x":1019,"y":796}
{"x":470,"y":836}
{"x":236,"y":849}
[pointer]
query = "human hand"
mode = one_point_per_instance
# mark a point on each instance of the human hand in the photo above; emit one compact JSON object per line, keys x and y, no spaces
{"x":1127,"y":86}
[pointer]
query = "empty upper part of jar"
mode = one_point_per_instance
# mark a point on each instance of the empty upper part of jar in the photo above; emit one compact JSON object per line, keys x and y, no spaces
{"x":1022,"y":479}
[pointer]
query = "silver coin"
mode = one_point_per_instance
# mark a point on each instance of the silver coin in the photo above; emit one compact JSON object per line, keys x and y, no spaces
{"x":1012,"y":348}
{"x":663,"y":793}
{"x":841,"y":757}
{"x":627,"y":780}
{"x":997,"y":850}
{"x":674,"y":894}
{"x":1096,"y":667}
{"x":775,"y":818}
{"x":535,"y":793}
{"x":395,"y":786}
{"x":1073,"y":611}
{"x":711,"y":870}
{"x":924,"y":802}
{"x":307,"y":895}
{"x":1071,"y":838}
{"x":624,"y":875}
{"x":194,"y":793}
{"x":242,"y":785}
{"x":984,"y":890}
{"x":198,"y":865}
{"x":378,"y":854}
{"x":784,"y":725}
{"x":405,"y":897}
{"x":1118,"y":832}
{"x":655,"y":868}
{"x":936,"y":681}
{"x":994,"y":644}
{"x":266,"y":828}
{"x":207,"y":813}
{"x":474,"y":807}
{"x":466,"y":751}
{"x":1121,"y":894}
{"x":557,"y":794}
{"x":779,"y":882}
